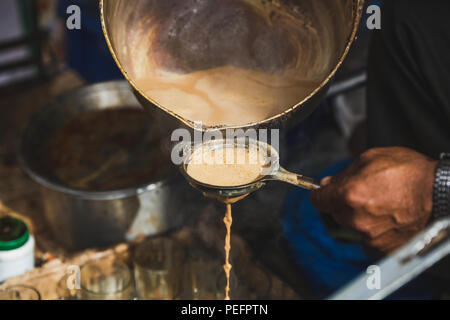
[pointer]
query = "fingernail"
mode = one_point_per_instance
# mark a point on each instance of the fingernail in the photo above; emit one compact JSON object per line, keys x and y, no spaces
{"x":325,"y":181}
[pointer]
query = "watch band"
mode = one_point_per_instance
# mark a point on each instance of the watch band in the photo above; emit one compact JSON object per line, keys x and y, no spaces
{"x":441,"y":190}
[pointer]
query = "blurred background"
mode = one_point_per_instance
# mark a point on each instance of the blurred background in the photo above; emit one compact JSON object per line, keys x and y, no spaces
{"x":35,"y":41}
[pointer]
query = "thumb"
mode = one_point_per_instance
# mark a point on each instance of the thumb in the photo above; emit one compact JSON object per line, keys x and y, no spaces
{"x":325,"y":181}
{"x":325,"y":198}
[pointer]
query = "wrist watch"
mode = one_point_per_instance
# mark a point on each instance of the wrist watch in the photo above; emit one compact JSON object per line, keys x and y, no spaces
{"x":441,"y":190}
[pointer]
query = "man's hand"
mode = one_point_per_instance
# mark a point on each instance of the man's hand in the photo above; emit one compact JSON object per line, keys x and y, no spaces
{"x":387,"y":194}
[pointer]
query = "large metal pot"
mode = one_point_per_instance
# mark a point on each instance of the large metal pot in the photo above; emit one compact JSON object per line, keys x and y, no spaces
{"x":81,"y":219}
{"x":308,"y":39}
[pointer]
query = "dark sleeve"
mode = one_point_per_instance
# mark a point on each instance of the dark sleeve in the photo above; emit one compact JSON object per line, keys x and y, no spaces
{"x":409,"y":77}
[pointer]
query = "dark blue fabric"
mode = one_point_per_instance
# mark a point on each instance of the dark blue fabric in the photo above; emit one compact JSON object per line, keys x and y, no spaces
{"x":87,"y":50}
{"x":328,"y":264}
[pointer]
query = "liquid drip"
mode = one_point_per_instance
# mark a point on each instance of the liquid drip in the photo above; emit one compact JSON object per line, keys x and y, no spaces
{"x":227,"y":266}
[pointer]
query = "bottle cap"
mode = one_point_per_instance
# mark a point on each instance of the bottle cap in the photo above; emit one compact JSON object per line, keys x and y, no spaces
{"x":13,"y":233}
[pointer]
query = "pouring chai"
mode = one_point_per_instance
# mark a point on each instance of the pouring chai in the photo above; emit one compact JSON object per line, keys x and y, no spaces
{"x":228,"y":166}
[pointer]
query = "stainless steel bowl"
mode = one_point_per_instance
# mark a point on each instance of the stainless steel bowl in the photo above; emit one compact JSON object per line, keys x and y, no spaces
{"x":81,"y":219}
{"x":305,"y":38}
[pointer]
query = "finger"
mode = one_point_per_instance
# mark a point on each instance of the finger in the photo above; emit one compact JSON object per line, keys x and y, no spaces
{"x":407,"y":230}
{"x":325,"y":181}
{"x":373,"y":226}
{"x":370,"y":226}
{"x":327,"y":199}
{"x":390,"y":240}
{"x":384,"y":242}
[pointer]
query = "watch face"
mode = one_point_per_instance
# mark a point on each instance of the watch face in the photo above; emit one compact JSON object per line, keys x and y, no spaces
{"x":445,"y":156}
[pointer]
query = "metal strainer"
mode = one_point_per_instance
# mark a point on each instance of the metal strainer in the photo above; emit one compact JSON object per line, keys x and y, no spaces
{"x":270,"y":168}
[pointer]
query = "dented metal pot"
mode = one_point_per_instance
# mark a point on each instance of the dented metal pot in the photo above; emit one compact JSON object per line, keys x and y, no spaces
{"x":80,"y":219}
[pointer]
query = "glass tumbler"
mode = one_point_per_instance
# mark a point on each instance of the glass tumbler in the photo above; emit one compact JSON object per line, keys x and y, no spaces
{"x":106,"y":279}
{"x":158,"y":269}
{"x":202,"y":275}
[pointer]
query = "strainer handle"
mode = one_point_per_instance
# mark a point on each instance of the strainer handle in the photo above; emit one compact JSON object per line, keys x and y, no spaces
{"x":296,"y":179}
